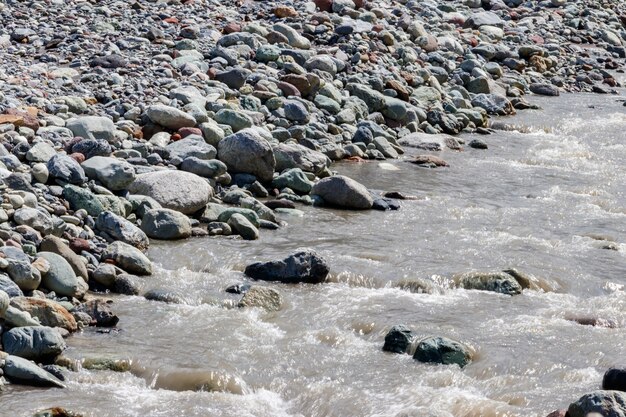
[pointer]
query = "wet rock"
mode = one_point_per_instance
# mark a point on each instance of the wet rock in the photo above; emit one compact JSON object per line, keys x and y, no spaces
{"x":614,"y":379}
{"x":266,"y":298}
{"x":118,"y":228}
{"x":38,"y":343}
{"x":165,"y":224}
{"x":243,"y":227}
{"x":165,"y":296}
{"x":100,"y":313}
{"x":56,"y":412}
{"x":442,"y":350}
{"x":305,"y":266}
{"x":430,"y":161}
{"x":47,"y":312}
{"x":247,"y":152}
{"x":23,"y":371}
{"x":499,"y":282}
{"x":605,"y":403}
{"x":191,"y":193}
{"x":544,"y":89}
{"x":343,"y":192}
{"x":398,"y":339}
{"x":128,"y":258}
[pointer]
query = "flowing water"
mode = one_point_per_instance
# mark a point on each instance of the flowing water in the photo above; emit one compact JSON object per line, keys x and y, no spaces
{"x":547,"y":202}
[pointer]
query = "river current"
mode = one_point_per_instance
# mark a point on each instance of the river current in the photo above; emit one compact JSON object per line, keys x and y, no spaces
{"x":548,"y":198}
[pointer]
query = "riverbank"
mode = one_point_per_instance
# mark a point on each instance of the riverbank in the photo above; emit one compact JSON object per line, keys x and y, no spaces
{"x":254,"y":124}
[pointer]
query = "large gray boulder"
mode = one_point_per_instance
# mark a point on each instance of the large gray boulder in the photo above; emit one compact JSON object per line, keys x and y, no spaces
{"x":118,"y":228}
{"x":39,"y":343}
{"x":128,"y":258}
{"x":343,"y":192}
{"x":293,"y":155}
{"x":166,"y":224}
{"x":37,"y":219}
{"x":247,"y":152}
{"x":92,"y":127}
{"x":192,"y":146}
{"x":25,"y":372}
{"x":305,"y":266}
{"x":169,"y":117}
{"x":66,"y":170}
{"x":61,"y":278}
{"x":605,"y":403}
{"x":115,"y":174}
{"x":19,"y":268}
{"x":56,"y":245}
{"x":176,"y":190}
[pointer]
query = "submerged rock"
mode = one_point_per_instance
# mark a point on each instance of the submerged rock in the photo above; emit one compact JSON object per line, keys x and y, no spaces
{"x":398,"y":339}
{"x":262,"y":297}
{"x":343,"y":192}
{"x":499,"y":282}
{"x":305,"y":266}
{"x":443,"y":351}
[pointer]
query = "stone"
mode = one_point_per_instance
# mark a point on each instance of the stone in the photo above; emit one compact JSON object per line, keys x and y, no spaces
{"x":604,"y":403}
{"x":293,"y":155}
{"x":121,"y":229}
{"x":169,"y":117}
{"x":81,"y":198}
{"x":92,"y":127}
{"x":294,"y":179}
{"x":262,"y":297}
{"x":247,"y":152}
{"x":100,"y":313}
{"x":296,"y":111}
{"x":614,"y":379}
{"x":204,"y":168}
{"x":38,"y":220}
{"x":234,"y":78}
{"x":499,"y":282}
{"x":128,"y":258}
{"x":442,"y":350}
{"x":56,"y":245}
{"x":23,"y":371}
{"x":398,"y":339}
{"x":19,"y":268}
{"x":544,"y":89}
{"x":66,"y":170}
{"x":61,"y":278}
{"x":343,"y":192}
{"x":115,"y":174}
{"x":92,"y":147}
{"x":4,"y":302}
{"x":38,"y":343}
{"x":192,"y":146}
{"x":237,"y":120}
{"x":165,"y":224}
{"x":191,"y":193}
{"x":164,"y":296}
{"x":304,"y":266}
{"x":40,"y":152}
{"x":479,"y":19}
{"x":47,"y":312}
{"x":243,"y":227}
{"x":9,"y":287}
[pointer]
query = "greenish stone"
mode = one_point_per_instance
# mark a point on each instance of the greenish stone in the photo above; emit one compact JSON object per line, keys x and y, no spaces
{"x":81,"y":198}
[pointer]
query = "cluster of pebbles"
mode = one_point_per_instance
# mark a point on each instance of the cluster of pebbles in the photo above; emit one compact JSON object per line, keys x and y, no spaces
{"x":125,"y":121}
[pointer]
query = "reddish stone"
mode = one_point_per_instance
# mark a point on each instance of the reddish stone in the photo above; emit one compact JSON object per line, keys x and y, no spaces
{"x":324,"y":5}
{"x":288,"y":89}
{"x":378,"y":28}
{"x":403,"y":93}
{"x":186,"y":131}
{"x":232,"y":27}
{"x":355,"y":159}
{"x":175,"y":137}
{"x":13,"y":243}
{"x":171,"y":19}
{"x":358,"y":3}
{"x":78,"y":157}
{"x":610,"y":81}
{"x":428,"y":160}
{"x":212,"y":72}
{"x":78,"y":245}
{"x":558,"y":413}
{"x":22,"y":117}
{"x":285,"y":11}
{"x":537,"y":39}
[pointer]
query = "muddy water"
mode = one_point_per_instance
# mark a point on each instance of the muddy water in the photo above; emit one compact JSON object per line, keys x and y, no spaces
{"x":547,"y":202}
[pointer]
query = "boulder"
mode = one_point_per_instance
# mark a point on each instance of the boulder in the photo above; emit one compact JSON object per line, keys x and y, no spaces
{"x":398,"y":340}
{"x":343,"y":192}
{"x":47,"y":312}
{"x":56,"y":245}
{"x":19,"y":268}
{"x":190,"y":194}
{"x":65,"y":170}
{"x":100,"y":313}
{"x":614,"y":379}
{"x":82,"y":198}
{"x":38,"y":343}
{"x":169,"y":117}
{"x":266,"y":298}
{"x":164,"y":296}
{"x":4,"y":302}
{"x":128,"y":258}
{"x":192,"y":146}
{"x":118,"y":228}
{"x":293,"y":155}
{"x":23,"y":371}
{"x":166,"y":224}
{"x":243,"y":227}
{"x":247,"y":152}
{"x":443,"y":351}
{"x":305,"y":266}
{"x":61,"y":278}
{"x":92,"y":127}
{"x":294,"y":179}
{"x":605,"y":403}
{"x":9,"y":287}
{"x":499,"y":282}
{"x":38,"y":220}
{"x":115,"y":174}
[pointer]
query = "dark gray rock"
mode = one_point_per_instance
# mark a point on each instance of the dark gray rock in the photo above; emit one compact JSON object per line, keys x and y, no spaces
{"x":605,"y":403}
{"x":121,"y":229}
{"x":100,"y":313}
{"x":343,"y":192}
{"x":398,"y":340}
{"x":38,"y":343}
{"x":247,"y":152}
{"x":614,"y":379}
{"x":442,"y":350}
{"x":66,"y":170}
{"x":23,"y":371}
{"x":305,"y":266}
{"x":499,"y":282}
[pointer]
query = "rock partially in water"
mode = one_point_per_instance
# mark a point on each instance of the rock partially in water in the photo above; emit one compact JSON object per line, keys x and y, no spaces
{"x":605,"y":403}
{"x":398,"y":339}
{"x":343,"y":192}
{"x":100,"y":313}
{"x":614,"y":379}
{"x":499,"y":282}
{"x":23,"y":371}
{"x":305,"y":266}
{"x":56,"y":412}
{"x":530,"y":282}
{"x":262,"y":297}
{"x":165,"y":296}
{"x":166,"y":224}
{"x":38,"y":343}
{"x":48,"y":312}
{"x":443,"y":351}
{"x":243,"y":227}
{"x":128,"y":258}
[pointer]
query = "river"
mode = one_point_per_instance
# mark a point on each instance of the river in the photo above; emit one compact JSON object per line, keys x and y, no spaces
{"x":548,"y":202}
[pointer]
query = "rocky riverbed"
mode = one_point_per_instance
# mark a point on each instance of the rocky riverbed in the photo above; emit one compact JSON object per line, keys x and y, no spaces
{"x":123,"y":124}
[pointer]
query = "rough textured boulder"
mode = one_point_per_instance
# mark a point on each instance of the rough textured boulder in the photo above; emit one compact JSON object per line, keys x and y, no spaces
{"x":118,"y":228}
{"x":499,"y":282}
{"x":170,"y":117}
{"x":247,"y":152}
{"x":128,"y":258}
{"x":343,"y":192}
{"x":92,"y":127}
{"x":262,"y":297}
{"x":166,"y":224}
{"x":48,"y":312}
{"x":38,"y":343}
{"x":605,"y":403}
{"x":293,"y":155}
{"x":305,"y":266}
{"x":66,"y":170}
{"x":25,"y":372}
{"x":190,"y":193}
{"x":442,"y":350}
{"x":398,"y":340}
{"x":115,"y":174}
